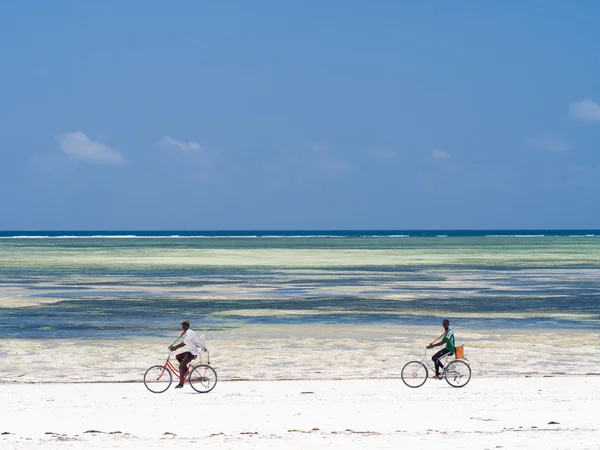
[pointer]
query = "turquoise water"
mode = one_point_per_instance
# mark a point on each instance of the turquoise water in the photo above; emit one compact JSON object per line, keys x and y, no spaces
{"x":94,"y":285}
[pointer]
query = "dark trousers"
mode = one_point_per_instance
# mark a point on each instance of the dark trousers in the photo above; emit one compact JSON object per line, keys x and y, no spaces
{"x":184,"y":359}
{"x":436,"y":360}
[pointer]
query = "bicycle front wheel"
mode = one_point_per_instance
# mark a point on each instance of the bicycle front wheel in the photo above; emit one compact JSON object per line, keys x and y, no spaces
{"x":458,"y":373}
{"x":158,"y":379}
{"x":203,"y":378}
{"x":414,"y":374}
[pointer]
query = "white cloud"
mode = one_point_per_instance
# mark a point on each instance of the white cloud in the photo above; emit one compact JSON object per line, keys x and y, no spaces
{"x":585,"y":110}
{"x":168,"y":141}
{"x":326,"y":161}
{"x":291,"y":168}
{"x":319,"y":148}
{"x":551,"y":143}
{"x":438,"y":154}
{"x":77,"y":145}
{"x":385,"y":153}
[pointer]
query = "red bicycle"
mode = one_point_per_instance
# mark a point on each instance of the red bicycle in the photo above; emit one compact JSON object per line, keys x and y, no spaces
{"x":202,"y":377}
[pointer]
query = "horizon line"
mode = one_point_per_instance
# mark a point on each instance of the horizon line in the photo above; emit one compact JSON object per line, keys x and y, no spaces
{"x":81,"y":230}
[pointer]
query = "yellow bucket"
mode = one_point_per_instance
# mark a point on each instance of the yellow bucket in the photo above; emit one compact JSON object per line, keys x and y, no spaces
{"x":459,"y":352}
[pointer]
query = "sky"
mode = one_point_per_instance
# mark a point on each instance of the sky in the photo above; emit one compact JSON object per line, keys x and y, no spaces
{"x":317,"y":115}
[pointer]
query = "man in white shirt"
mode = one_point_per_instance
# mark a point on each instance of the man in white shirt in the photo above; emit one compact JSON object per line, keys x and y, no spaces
{"x":194,"y":345}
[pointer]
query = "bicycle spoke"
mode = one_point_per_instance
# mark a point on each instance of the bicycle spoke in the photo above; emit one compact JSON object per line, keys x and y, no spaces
{"x":458,"y":373}
{"x":203,"y":378}
{"x":414,"y":374}
{"x":157,"y":379}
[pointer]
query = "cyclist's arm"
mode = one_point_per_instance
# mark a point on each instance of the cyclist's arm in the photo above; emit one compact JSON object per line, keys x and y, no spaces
{"x":175,"y":347}
{"x":436,"y":344}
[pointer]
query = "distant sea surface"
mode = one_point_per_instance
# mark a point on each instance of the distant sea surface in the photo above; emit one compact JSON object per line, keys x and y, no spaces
{"x":110,"y":284}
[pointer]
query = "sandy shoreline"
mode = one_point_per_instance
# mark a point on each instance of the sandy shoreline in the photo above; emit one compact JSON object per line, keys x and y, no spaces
{"x":530,"y":388}
{"x":292,"y":352}
{"x":550,"y":412}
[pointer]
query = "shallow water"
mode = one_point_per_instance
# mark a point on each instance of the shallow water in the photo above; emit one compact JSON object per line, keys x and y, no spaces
{"x":103,"y":288}
{"x":289,"y":307}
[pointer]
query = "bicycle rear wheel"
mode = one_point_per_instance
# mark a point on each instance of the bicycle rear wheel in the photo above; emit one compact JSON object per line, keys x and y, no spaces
{"x":414,"y":374}
{"x":458,"y":373}
{"x":158,"y":379}
{"x":203,"y":378}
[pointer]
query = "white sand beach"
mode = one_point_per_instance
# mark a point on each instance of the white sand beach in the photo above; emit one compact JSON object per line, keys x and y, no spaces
{"x":490,"y":413}
{"x":329,"y":387}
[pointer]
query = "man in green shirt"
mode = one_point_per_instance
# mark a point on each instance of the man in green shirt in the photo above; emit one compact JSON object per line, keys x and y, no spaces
{"x":446,"y":338}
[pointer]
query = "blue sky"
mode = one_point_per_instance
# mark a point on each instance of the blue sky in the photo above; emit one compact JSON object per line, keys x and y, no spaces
{"x":299,"y":115}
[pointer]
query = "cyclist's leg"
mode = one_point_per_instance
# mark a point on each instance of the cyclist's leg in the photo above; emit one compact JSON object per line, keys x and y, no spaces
{"x":183,"y":362}
{"x":436,"y":360}
{"x":180,"y":357}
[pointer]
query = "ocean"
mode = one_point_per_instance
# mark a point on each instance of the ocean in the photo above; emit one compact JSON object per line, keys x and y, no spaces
{"x":98,"y":286}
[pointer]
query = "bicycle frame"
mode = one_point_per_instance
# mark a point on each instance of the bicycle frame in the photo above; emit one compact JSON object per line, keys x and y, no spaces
{"x":175,"y":369}
{"x":427,"y":362}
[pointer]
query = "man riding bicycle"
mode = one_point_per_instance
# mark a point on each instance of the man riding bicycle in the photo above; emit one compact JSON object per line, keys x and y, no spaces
{"x":194,"y":345}
{"x":446,"y":338}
